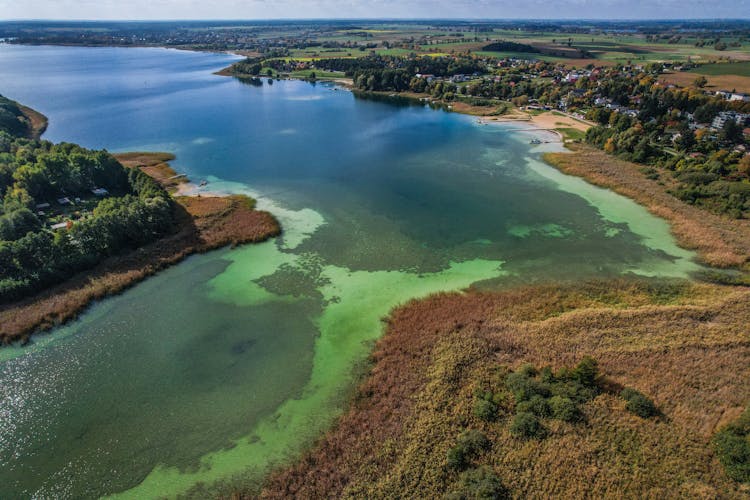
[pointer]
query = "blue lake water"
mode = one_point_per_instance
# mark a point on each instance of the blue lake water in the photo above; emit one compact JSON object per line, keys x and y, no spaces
{"x":201,"y":378}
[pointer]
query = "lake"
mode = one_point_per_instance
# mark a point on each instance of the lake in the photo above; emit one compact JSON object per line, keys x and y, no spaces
{"x":198,"y":380}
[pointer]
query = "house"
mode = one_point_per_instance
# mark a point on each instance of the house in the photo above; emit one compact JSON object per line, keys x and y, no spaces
{"x":427,"y":77}
{"x":722,"y":118}
{"x":739,"y":97}
{"x":100,"y":192}
{"x":61,"y":225}
{"x":42,"y":206}
{"x":64,"y":201}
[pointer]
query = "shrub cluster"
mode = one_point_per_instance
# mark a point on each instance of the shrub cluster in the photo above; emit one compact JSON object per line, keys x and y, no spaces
{"x":537,"y":395}
{"x":544,"y":394}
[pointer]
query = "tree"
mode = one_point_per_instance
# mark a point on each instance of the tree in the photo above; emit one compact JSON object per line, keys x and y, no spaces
{"x":485,"y":409}
{"x":526,"y":425}
{"x":638,"y":404}
{"x":731,"y":132}
{"x":686,"y":140}
{"x":743,"y":166}
{"x":700,"y":82}
{"x":587,"y":372}
{"x":564,"y":409}
{"x":479,"y":484}
{"x":468,"y":445}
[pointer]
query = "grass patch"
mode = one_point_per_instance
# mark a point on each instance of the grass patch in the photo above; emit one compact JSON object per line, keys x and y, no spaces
{"x":308,"y":73}
{"x":717,"y":69}
{"x":572,"y":134}
{"x":732,"y":444}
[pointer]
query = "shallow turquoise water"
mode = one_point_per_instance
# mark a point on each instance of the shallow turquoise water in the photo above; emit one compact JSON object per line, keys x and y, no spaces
{"x":229,"y":362}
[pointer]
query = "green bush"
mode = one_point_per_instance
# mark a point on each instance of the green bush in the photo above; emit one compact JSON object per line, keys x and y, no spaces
{"x":457,"y":458}
{"x":574,"y":390}
{"x":526,"y":425}
{"x":468,"y":445}
{"x":474,"y":441}
{"x":485,"y":410}
{"x":479,"y":484}
{"x":524,"y":387}
{"x":564,"y":409}
{"x":732,"y":445}
{"x":638,"y":403}
{"x":587,"y":372}
{"x":536,"y":405}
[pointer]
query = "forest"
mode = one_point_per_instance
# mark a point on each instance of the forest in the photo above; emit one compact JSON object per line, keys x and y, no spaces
{"x":104,"y":208}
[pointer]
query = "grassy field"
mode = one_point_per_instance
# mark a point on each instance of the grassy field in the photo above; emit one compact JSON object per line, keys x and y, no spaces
{"x":572,"y":133}
{"x":519,"y":55}
{"x":306,"y":73}
{"x":720,"y":69}
{"x":715,"y":82}
{"x":572,"y":49}
{"x":684,"y":346}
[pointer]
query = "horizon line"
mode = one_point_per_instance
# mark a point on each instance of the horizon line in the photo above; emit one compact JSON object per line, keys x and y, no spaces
{"x":471,"y":19}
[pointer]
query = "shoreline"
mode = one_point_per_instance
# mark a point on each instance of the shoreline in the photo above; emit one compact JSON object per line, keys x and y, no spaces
{"x":719,"y":241}
{"x":344,"y":82}
{"x":208,"y":198}
{"x":202,"y":224}
{"x":37,"y":121}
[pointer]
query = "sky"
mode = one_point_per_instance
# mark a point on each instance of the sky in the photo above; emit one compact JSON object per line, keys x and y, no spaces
{"x":351,"y":9}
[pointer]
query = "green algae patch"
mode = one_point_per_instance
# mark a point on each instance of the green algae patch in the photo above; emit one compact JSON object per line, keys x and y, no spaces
{"x":238,"y":283}
{"x":549,"y":230}
{"x":355,"y":301}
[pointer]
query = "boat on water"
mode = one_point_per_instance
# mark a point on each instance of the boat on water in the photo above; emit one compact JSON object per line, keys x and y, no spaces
{"x":203,"y":182}
{"x":535,"y":141}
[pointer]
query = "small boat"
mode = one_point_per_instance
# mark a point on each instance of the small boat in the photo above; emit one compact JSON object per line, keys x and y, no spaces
{"x":535,"y":141}
{"x":203,"y":183}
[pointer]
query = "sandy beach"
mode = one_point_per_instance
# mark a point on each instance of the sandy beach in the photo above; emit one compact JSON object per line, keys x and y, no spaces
{"x":549,"y":120}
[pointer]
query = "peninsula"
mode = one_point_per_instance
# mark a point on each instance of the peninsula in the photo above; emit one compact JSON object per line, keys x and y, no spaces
{"x":190,"y":224}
